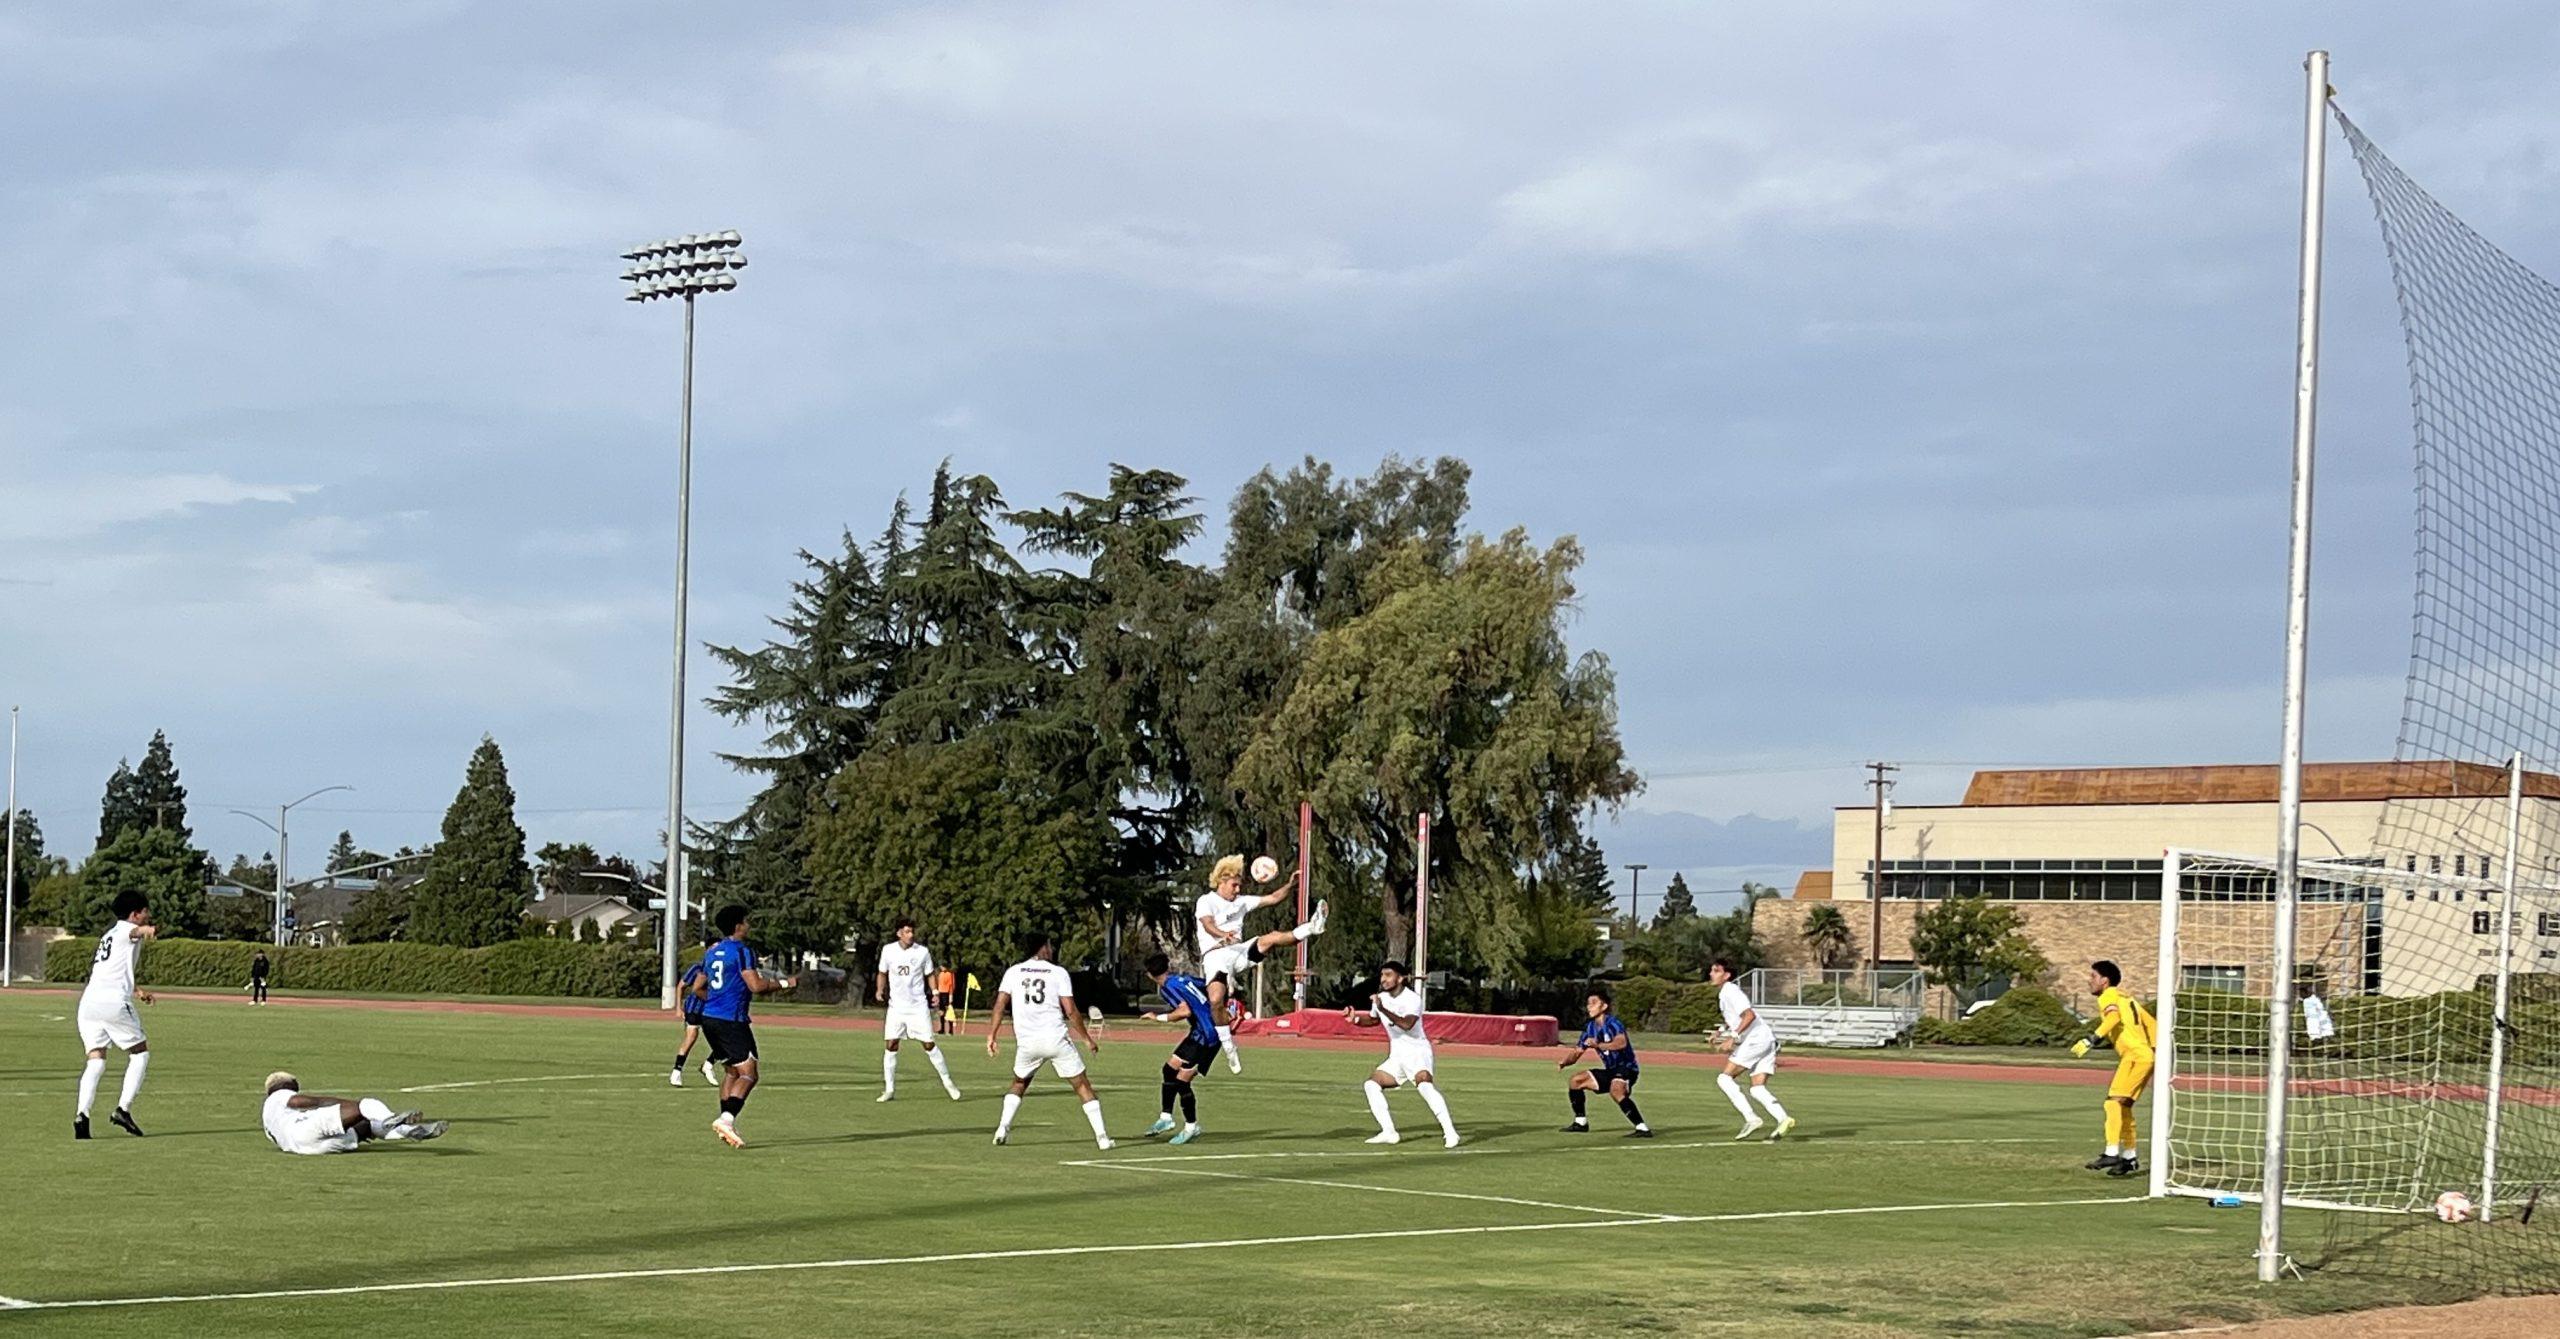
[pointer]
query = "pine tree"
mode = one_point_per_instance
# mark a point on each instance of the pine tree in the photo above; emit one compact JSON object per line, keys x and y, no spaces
{"x":121,"y":812}
{"x":1678,"y":904}
{"x":156,"y":862}
{"x":1582,"y":873}
{"x":477,"y":883}
{"x":342,"y":853}
{"x":156,"y":789}
{"x":33,"y":864}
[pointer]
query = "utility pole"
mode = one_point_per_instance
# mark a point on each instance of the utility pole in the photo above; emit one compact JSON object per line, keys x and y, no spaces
{"x":1875,"y":872}
{"x":9,"y":878}
{"x":1635,"y":891}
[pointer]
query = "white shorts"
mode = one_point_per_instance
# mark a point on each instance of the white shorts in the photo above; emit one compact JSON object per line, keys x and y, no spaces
{"x":1407,"y":1058}
{"x":1061,"y":1057}
{"x":101,"y":1028}
{"x":904,"y":1023}
{"x":318,"y":1130}
{"x":1231,"y":961}
{"x":1757,"y":1054}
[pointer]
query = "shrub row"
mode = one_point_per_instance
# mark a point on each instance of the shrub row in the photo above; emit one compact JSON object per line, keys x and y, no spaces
{"x":518,"y":967}
{"x":2026,"y":1016}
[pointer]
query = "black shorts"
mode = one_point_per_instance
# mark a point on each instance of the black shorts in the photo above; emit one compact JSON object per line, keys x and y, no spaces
{"x":1195,"y":1053}
{"x":1609,"y":1076}
{"x":732,"y":1041}
{"x":693,"y":1018}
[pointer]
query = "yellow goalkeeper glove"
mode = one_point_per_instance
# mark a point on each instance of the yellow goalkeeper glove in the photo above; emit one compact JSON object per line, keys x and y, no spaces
{"x":2081,"y":1047}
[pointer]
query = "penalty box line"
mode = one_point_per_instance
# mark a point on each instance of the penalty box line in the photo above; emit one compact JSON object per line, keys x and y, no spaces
{"x":1041,"y":1252}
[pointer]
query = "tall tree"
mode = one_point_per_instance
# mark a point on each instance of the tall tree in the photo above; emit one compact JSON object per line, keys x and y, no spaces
{"x":1678,"y":903}
{"x":477,"y":884}
{"x":157,"y":792}
{"x":156,"y":862}
{"x":121,"y":811}
{"x":1826,"y":931}
{"x":1968,"y":944}
{"x":377,"y":916}
{"x":342,"y":852}
{"x":1581,"y":872}
{"x":33,"y":864}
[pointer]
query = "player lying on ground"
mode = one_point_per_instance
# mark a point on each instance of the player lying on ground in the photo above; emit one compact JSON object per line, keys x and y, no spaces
{"x":1754,"y":1050}
{"x":1044,"y":1004}
{"x":1189,"y":1003}
{"x":731,"y":979}
{"x":1605,"y":1037}
{"x":692,"y":1005}
{"x":905,"y":985}
{"x":1225,"y":953}
{"x":106,"y":1017}
{"x":1397,"y":1007}
{"x":2123,"y":1021}
{"x":300,"y":1122}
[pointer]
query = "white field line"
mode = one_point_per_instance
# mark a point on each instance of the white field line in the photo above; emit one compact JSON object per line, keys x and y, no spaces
{"x":536,"y":1078}
{"x":13,"y":1304}
{"x":1613,"y":1146}
{"x":1033,"y":1253}
{"x":1137,"y":1165}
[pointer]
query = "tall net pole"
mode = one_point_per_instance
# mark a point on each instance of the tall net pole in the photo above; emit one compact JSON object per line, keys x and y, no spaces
{"x":1306,"y":851}
{"x":2297,"y":636}
{"x":2507,"y":917}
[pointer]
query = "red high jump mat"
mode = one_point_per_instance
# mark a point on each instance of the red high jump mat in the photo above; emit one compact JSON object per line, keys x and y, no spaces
{"x":1479,"y":1029}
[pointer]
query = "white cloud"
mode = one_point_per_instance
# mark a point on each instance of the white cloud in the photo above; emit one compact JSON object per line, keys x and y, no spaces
{"x":66,"y":509}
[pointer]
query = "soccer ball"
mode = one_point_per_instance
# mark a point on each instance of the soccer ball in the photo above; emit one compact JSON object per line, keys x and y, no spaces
{"x":1265,"y":869}
{"x":2453,"y":1207}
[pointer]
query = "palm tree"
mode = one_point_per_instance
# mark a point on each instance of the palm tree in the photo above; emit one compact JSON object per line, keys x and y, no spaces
{"x":1827,"y":932}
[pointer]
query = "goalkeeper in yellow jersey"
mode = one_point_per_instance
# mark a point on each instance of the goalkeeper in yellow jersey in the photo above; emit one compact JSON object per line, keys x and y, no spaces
{"x":2123,"y":1021}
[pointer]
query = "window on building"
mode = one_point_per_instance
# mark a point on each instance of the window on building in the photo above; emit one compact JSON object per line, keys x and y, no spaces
{"x":2206,"y":976}
{"x":2435,"y":864}
{"x":2546,"y":924}
{"x":2483,"y":922}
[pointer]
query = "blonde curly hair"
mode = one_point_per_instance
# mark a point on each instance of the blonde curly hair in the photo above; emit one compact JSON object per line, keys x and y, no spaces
{"x":1228,"y":867}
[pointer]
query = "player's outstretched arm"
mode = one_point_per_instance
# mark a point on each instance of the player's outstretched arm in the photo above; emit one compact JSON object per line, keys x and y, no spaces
{"x":1175,"y":1014}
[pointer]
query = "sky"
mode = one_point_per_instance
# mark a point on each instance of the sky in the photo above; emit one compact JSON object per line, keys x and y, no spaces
{"x":1917,"y":376}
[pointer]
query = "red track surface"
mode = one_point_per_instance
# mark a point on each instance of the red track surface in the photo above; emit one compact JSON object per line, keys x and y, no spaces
{"x":868,"y":1021}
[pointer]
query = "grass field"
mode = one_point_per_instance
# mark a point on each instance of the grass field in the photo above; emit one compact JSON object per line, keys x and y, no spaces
{"x":578,"y":1193}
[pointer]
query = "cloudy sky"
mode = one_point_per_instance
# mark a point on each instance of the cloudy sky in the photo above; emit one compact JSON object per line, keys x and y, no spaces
{"x":1917,"y":375}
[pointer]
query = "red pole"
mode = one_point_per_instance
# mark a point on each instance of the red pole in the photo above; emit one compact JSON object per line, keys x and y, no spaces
{"x":1306,"y":843}
{"x":1422,"y":895}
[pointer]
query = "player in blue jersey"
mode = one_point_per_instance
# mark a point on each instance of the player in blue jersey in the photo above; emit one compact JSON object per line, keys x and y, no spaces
{"x":1186,"y":1000}
{"x":1605,"y":1037}
{"x":731,"y":978}
{"x":692,"y":1028}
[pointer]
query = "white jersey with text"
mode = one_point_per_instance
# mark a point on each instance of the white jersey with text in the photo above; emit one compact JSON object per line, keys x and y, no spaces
{"x":1040,"y":991}
{"x":1226,"y":913}
{"x":111,"y":975}
{"x":909,"y":968}
{"x":1734,"y":1004}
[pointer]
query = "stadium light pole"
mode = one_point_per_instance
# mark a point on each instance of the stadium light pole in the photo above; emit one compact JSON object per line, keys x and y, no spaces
{"x":681,"y":267}
{"x":9,"y":871}
{"x":284,"y":848}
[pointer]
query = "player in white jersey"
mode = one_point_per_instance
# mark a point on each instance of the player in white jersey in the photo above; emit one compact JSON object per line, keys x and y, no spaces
{"x":106,"y":1012}
{"x":300,"y":1122}
{"x":1397,"y":1007}
{"x":1043,"y":1001}
{"x":1754,"y":1051}
{"x":905,"y":984}
{"x":1218,"y":924}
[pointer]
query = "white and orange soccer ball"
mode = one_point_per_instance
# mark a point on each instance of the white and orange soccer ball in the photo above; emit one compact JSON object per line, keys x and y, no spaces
{"x":1265,"y":869}
{"x":2453,"y":1207}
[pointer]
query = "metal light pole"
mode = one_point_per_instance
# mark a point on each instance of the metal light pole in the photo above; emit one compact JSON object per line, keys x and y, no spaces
{"x":682,"y":267}
{"x":284,"y":851}
{"x":9,"y":872}
{"x":1635,"y":890}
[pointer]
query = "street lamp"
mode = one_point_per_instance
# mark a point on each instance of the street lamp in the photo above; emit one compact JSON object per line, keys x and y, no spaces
{"x":681,"y":267}
{"x":284,"y":850}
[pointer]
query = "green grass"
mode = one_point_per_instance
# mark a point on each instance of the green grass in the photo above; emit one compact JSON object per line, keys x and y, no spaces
{"x":585,"y":1175}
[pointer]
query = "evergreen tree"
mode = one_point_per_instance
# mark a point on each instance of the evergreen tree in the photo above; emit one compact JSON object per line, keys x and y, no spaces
{"x":377,"y":916}
{"x":33,"y":864}
{"x":122,"y":811}
{"x":157,"y":792}
{"x":156,"y":862}
{"x":1582,"y":874}
{"x":1678,"y":904}
{"x":342,"y":852}
{"x":477,"y":884}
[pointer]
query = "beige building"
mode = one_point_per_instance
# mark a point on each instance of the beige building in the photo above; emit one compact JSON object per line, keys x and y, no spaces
{"x":2079,"y":852}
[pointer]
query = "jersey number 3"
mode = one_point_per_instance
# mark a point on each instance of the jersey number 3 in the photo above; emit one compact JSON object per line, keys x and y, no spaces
{"x":719,"y":970}
{"x":1036,"y":990}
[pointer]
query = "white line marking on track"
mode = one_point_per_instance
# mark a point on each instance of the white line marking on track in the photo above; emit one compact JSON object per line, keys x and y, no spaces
{"x":537,"y":1078}
{"x":1033,"y":1253}
{"x":1134,"y":1165}
{"x":1611,"y":1147}
{"x":13,"y":1304}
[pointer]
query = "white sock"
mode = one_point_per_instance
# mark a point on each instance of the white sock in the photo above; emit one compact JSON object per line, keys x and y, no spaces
{"x":1093,"y":1117}
{"x":1304,"y":932}
{"x":134,"y":1064}
{"x":1769,"y":1100}
{"x":89,"y":1076}
{"x":934,"y":1054}
{"x":1227,"y":1039}
{"x":1439,"y":1107}
{"x":1733,"y":1093}
{"x":1012,"y":1104}
{"x":1378,"y":1106}
{"x":888,"y":1071}
{"x":2114,"y":1152}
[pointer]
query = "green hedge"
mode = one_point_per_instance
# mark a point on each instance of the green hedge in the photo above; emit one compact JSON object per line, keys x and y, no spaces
{"x":2026,"y":1016}
{"x":519,"y":967}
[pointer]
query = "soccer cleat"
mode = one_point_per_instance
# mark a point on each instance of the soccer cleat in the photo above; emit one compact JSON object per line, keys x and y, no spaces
{"x":1640,"y":1132}
{"x":123,"y":1120}
{"x":1163,"y":1124}
{"x":953,"y":1089}
{"x":1001,"y":1137}
{"x":1449,"y":1140}
{"x":2126,"y":1167}
{"x":1103,"y":1142}
{"x":675,"y":1077}
{"x":1235,"y":1061}
{"x":1315,"y":923}
{"x":708,"y":1076}
{"x":1189,"y":1133}
{"x":79,"y":1127}
{"x":728,"y":1133}
{"x":1784,"y":1126}
{"x":423,"y":1129}
{"x":407,"y":1118}
{"x":1384,"y":1137}
{"x":1578,"y":1127}
{"x":886,"y":1096}
{"x":2104,"y":1162}
{"x":1749,"y":1130}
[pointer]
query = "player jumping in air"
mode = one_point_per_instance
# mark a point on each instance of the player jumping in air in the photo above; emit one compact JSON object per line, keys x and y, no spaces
{"x":1754,"y":1051}
{"x":1044,"y":1004}
{"x":905,"y":985}
{"x":2123,"y":1021}
{"x":1187,"y":1001}
{"x":106,"y":1015}
{"x":692,"y":1004}
{"x":731,"y":978}
{"x":300,"y":1122}
{"x":1225,"y":953}
{"x":1605,"y":1037}
{"x":1397,"y":1007}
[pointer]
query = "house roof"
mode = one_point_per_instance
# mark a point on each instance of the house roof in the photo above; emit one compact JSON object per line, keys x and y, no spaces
{"x":582,"y":906}
{"x":2248,"y":783}
{"x":1814,"y":885}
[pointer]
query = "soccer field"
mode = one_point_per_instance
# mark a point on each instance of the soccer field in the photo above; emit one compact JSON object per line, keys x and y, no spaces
{"x":579,"y":1193}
